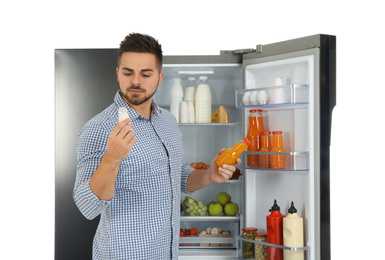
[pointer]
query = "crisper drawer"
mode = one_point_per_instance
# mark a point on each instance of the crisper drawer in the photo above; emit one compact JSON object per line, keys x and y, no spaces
{"x":213,"y":232}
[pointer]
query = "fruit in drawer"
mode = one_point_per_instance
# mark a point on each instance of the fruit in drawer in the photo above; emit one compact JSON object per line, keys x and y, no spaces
{"x":231,"y":209}
{"x":215,"y":209}
{"x":223,"y":198}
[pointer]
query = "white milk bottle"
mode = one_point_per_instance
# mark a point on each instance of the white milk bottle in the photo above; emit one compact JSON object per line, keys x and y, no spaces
{"x":203,"y":101}
{"x":293,"y":234}
{"x":176,"y":97}
{"x":189,"y":94}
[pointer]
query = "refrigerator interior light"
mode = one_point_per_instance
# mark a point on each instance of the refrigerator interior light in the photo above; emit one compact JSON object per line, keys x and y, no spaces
{"x":196,"y":72}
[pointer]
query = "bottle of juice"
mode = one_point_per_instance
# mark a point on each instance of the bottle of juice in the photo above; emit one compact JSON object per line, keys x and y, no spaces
{"x":277,"y":161}
{"x":254,"y":135}
{"x":230,"y":155}
{"x":264,"y":161}
{"x":274,"y":224}
{"x":293,"y":234}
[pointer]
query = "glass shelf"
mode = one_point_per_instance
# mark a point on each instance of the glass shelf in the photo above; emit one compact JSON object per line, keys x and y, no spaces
{"x":287,"y":96}
{"x":210,"y":124}
{"x":209,"y":218}
{"x":294,"y":161}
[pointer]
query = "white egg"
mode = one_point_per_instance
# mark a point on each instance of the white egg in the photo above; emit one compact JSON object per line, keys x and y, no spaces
{"x":254,"y":98}
{"x":246,"y":98}
{"x":262,"y":97}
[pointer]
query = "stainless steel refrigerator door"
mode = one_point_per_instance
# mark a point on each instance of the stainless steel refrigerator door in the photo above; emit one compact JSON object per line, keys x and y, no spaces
{"x":85,"y":84}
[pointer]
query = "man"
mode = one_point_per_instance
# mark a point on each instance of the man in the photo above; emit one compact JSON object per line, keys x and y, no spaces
{"x":132,"y":172}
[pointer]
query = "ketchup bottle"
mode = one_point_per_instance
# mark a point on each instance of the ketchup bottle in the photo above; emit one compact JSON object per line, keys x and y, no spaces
{"x":274,"y":223}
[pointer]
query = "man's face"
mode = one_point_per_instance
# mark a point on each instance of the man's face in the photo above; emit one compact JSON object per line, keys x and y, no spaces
{"x":138,"y":77}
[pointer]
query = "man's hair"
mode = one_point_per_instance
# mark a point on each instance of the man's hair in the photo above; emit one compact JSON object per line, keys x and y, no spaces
{"x":136,"y":42}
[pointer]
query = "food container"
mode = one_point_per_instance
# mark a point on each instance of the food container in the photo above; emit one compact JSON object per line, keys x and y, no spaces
{"x":248,"y":247}
{"x":260,"y":250}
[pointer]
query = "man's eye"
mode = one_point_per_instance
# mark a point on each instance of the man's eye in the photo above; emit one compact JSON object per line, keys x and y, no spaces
{"x":127,"y":74}
{"x":146,"y":76}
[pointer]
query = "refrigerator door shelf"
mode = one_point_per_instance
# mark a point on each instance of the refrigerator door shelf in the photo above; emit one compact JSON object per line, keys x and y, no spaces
{"x":294,"y":161}
{"x":240,"y":239}
{"x":273,"y":96}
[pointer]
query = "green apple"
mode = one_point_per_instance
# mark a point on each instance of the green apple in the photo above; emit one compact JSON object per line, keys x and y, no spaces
{"x":223,"y":198}
{"x":215,"y":209}
{"x":231,"y":209}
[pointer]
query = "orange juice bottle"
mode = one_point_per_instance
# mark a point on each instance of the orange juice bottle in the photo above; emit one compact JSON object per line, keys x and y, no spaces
{"x":254,"y":135}
{"x":277,"y":161}
{"x":230,"y":155}
{"x":264,"y":161}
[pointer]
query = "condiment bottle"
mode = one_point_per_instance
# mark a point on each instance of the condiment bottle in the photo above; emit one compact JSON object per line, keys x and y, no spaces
{"x":230,"y":155}
{"x":264,"y":161}
{"x":176,"y":97}
{"x":260,"y":250}
{"x":274,"y":224}
{"x":277,"y":161}
{"x":248,"y":247}
{"x":254,"y":135}
{"x":203,"y":101}
{"x":189,"y":94}
{"x":293,"y":234}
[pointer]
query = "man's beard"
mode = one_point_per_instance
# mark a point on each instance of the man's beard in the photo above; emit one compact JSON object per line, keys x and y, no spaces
{"x":134,"y":98}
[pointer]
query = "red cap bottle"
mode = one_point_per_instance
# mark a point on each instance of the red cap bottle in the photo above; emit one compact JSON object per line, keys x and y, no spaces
{"x":274,"y":223}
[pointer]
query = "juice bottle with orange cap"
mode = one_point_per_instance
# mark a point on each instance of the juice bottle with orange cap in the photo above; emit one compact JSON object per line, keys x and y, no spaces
{"x":254,"y":135}
{"x":264,"y":161}
{"x":230,"y":155}
{"x":277,"y":161}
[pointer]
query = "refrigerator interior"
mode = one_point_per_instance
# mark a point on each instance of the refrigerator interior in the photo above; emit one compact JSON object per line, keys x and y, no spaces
{"x":293,"y":114}
{"x":201,"y":143}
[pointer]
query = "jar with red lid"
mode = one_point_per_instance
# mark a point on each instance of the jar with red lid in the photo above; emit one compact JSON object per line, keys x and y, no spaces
{"x":260,"y":251}
{"x":248,"y":247}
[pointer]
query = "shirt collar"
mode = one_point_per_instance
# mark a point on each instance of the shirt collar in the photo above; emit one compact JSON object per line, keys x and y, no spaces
{"x":120,"y":102}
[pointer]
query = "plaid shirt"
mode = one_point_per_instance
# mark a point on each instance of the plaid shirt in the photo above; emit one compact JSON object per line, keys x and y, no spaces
{"x":141,"y":221}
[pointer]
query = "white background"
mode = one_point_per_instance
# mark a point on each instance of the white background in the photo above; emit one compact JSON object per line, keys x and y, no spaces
{"x":31,"y":30}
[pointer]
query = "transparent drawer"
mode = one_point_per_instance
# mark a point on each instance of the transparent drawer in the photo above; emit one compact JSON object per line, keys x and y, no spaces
{"x":294,"y":161}
{"x":227,"y":229}
{"x":273,"y":96}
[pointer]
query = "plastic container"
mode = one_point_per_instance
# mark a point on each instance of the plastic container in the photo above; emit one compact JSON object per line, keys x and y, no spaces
{"x":191,"y":112}
{"x":264,"y":161}
{"x":189,"y":94}
{"x":277,"y":161}
{"x":260,"y":251}
{"x":183,"y":113}
{"x":122,"y":113}
{"x":256,"y":128}
{"x":274,"y":224}
{"x":230,"y":155}
{"x":293,"y":234}
{"x":203,"y":101}
{"x":176,"y":94}
{"x":248,"y":247}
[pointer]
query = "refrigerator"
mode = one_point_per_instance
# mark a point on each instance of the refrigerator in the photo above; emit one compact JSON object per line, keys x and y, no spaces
{"x":300,"y":106}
